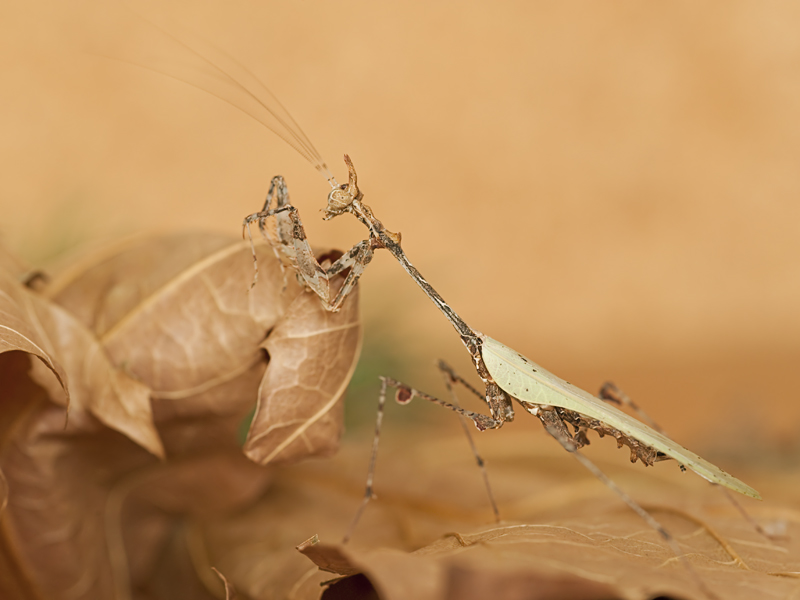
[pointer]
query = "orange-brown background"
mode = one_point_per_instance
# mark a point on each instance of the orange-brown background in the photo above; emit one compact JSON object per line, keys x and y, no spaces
{"x":610,"y":188}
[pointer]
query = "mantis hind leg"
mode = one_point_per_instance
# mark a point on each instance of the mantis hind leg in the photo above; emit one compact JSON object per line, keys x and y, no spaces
{"x":556,"y":427}
{"x":612,"y":394}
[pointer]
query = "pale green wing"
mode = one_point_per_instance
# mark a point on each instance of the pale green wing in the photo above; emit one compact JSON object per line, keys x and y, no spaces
{"x":524,"y":379}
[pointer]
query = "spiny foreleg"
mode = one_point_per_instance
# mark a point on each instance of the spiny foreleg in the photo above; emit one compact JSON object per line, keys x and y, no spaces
{"x":292,"y":249}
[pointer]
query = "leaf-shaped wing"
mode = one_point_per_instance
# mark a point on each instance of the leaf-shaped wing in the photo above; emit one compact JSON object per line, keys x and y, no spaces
{"x":525,"y":380}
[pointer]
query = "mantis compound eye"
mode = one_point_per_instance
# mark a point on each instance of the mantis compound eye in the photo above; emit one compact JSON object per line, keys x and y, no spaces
{"x":341,"y":198}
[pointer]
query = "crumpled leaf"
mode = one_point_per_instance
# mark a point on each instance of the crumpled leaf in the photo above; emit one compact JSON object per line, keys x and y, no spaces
{"x":96,"y":385}
{"x":165,"y":321}
{"x":172,"y":310}
{"x":330,"y":558}
{"x":429,"y":534}
{"x":312,"y":361}
{"x":21,"y":331}
{"x":68,"y":349}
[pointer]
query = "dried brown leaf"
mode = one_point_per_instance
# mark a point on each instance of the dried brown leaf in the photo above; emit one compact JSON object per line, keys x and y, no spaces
{"x":32,"y":324}
{"x":569,"y":537}
{"x":51,"y":538}
{"x":175,"y":313}
{"x":96,"y":385}
{"x":90,"y":513}
{"x":104,"y":285}
{"x":333,"y":559}
{"x":20,"y":329}
{"x":313,"y":356}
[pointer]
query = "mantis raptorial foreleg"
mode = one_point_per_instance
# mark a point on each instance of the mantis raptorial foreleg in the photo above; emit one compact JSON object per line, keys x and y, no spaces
{"x":293,"y":250}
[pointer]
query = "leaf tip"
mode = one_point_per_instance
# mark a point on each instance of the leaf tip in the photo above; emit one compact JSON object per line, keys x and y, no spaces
{"x":230,"y":591}
{"x":312,"y":541}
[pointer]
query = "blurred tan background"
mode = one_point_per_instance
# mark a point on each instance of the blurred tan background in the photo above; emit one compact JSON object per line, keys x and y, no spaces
{"x":610,"y":188}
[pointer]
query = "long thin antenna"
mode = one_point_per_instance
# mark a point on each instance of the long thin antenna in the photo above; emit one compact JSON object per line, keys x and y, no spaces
{"x":285,"y":127}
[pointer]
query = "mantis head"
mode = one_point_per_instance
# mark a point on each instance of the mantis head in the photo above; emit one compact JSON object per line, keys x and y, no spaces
{"x":341,"y":197}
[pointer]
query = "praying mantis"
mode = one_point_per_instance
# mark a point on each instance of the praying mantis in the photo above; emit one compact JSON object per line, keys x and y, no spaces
{"x":506,"y":374}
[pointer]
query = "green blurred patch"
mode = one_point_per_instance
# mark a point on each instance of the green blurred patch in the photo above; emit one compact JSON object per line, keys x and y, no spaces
{"x":244,"y":426}
{"x":383,"y":354}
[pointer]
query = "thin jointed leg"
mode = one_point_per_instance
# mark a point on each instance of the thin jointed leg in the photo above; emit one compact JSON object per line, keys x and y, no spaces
{"x":404,"y":395}
{"x":557,"y":429}
{"x":450,"y":377}
{"x":610,"y":392}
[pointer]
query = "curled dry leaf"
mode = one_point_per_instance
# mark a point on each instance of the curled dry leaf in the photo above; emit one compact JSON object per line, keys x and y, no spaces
{"x":172,"y":312}
{"x":312,"y":360}
{"x":161,"y":345}
{"x":333,"y":559}
{"x":21,"y":332}
{"x":96,"y":385}
{"x":20,"y":329}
